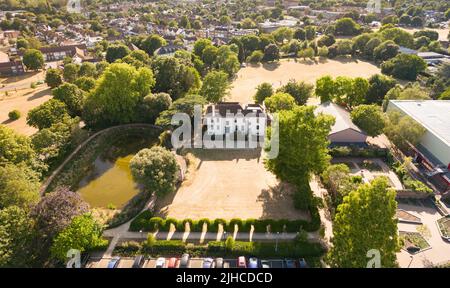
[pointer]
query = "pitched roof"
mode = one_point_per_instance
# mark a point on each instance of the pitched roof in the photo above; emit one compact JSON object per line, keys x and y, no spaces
{"x":343,"y":120}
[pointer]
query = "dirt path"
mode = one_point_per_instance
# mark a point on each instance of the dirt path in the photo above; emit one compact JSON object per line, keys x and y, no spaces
{"x":278,"y":74}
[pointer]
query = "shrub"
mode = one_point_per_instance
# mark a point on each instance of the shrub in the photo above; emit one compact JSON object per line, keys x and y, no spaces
{"x":231,"y":225}
{"x":141,"y":222}
{"x":14,"y":115}
{"x":181,"y":226}
{"x":128,"y":248}
{"x":215,"y":225}
{"x":174,"y":247}
{"x":167,"y":223}
{"x":200,"y":224}
{"x":261,"y":226}
{"x":247,"y":225}
{"x":156,"y":223}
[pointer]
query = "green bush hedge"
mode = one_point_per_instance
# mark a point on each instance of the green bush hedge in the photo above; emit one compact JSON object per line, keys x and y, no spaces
{"x":14,"y":115}
{"x":148,"y":224}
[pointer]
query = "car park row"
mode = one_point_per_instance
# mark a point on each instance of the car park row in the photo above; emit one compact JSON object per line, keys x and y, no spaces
{"x":185,"y":261}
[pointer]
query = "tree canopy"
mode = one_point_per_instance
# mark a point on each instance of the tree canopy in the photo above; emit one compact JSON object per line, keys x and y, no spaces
{"x":369,"y":118}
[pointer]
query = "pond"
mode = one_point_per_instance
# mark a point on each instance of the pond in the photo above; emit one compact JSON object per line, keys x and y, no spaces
{"x":109,"y":183}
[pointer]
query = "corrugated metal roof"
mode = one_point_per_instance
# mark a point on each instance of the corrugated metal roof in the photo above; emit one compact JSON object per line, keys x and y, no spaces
{"x":434,"y":115}
{"x":343,"y":120}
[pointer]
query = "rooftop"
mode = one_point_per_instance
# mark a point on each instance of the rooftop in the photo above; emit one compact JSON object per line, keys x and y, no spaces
{"x":343,"y":120}
{"x":434,"y":115}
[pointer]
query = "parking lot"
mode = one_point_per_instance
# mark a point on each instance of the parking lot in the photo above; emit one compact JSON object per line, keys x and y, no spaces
{"x":127,"y":262}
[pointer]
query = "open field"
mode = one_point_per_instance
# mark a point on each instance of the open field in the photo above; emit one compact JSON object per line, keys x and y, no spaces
{"x":278,"y":74}
{"x":15,"y":93}
{"x":24,"y":100}
{"x":230,"y":184}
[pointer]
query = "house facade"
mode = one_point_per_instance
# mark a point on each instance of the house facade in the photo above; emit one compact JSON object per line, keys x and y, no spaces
{"x":230,"y":117}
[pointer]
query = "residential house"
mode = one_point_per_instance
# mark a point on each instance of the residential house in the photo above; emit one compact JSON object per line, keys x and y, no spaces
{"x":9,"y":67}
{"x":58,"y":53}
{"x":344,"y":132}
{"x":230,"y":117}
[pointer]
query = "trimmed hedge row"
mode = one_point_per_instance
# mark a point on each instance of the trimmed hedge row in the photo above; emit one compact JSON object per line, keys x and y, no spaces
{"x":293,"y":249}
{"x":146,"y":222}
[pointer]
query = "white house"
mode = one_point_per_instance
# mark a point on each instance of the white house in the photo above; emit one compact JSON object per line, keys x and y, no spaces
{"x":229,"y":117}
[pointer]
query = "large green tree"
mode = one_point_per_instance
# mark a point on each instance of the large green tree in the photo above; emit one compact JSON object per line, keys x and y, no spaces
{"x":369,"y":118}
{"x":365,"y":221}
{"x":263,"y":91}
{"x":301,"y":91}
{"x":72,"y":96}
{"x":152,"y":43}
{"x":279,"y":101}
{"x":45,"y":115}
{"x":404,"y":66}
{"x":155,"y":168}
{"x":33,"y":59}
{"x":19,"y":186}
{"x":112,"y":102}
{"x":83,"y":234}
{"x":215,"y":86}
{"x":303,"y":147}
{"x":15,"y":148}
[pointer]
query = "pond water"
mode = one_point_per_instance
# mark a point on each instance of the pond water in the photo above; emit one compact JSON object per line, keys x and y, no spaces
{"x":109,"y":182}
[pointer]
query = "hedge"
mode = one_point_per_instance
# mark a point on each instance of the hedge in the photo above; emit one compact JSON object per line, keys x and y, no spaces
{"x":293,"y":249}
{"x":144,"y":222}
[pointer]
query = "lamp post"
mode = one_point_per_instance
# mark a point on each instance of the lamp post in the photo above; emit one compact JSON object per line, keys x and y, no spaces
{"x":276,"y":242}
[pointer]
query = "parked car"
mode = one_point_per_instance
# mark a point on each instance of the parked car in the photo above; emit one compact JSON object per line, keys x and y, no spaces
{"x":241,"y":263}
{"x":218,"y":263}
{"x":160,"y":263}
{"x":185,"y":261}
{"x":265,"y":264}
{"x":208,"y":263}
{"x":290,"y":264}
{"x":302,"y":263}
{"x":139,"y":261}
{"x":114,"y":262}
{"x":253,"y":262}
{"x":172,"y":263}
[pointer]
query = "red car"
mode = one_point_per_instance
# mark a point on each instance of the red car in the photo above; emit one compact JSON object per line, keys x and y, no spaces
{"x":241,"y":262}
{"x":172,"y":263}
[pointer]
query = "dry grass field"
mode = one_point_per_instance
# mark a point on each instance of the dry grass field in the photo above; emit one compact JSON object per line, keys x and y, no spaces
{"x":278,"y":74}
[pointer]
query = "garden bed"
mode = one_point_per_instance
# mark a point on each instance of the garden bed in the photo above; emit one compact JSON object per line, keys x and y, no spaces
{"x":413,"y":239}
{"x":444,"y":227}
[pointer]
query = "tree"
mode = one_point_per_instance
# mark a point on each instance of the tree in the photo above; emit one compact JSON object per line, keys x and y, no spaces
{"x":15,"y":148}
{"x":322,"y":52}
{"x":184,"y":22}
{"x":227,"y":60}
{"x":112,"y":102}
{"x":271,"y":53}
{"x":399,"y":36}
{"x":45,"y":115}
{"x":402,"y":130}
{"x":83,"y":234}
{"x":185,"y":104}
{"x":325,"y":88}
{"x":88,"y":69}
{"x":55,"y":212}
{"x":413,"y":92}
{"x":385,"y":51}
{"x":225,"y":20}
{"x":256,"y":57}
{"x":430,"y":34}
{"x":53,"y":78}
{"x":209,"y":55}
{"x":369,"y":118}
{"x":344,"y":47}
{"x":326,"y":40}
{"x":71,"y":96}
{"x":85,"y":83}
{"x":19,"y":186}
{"x":306,"y":53}
{"x":404,"y":66}
{"x":154,"y":104}
{"x":301,"y":91}
{"x":279,"y":101}
{"x":215,"y":86}
{"x":152,"y":43}
{"x":15,"y":235}
{"x":33,"y":59}
{"x":116,"y":51}
{"x":370,"y":47}
{"x":70,"y":72}
{"x":379,"y":85}
{"x":347,"y":27}
{"x":351,"y":92}
{"x":365,"y":221}
{"x":248,"y":23}
{"x":155,"y":168}
{"x":56,"y":140}
{"x":445,"y":95}
{"x":263,"y":91}
{"x":174,"y":78}
{"x":310,"y":152}
{"x":200,"y":45}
